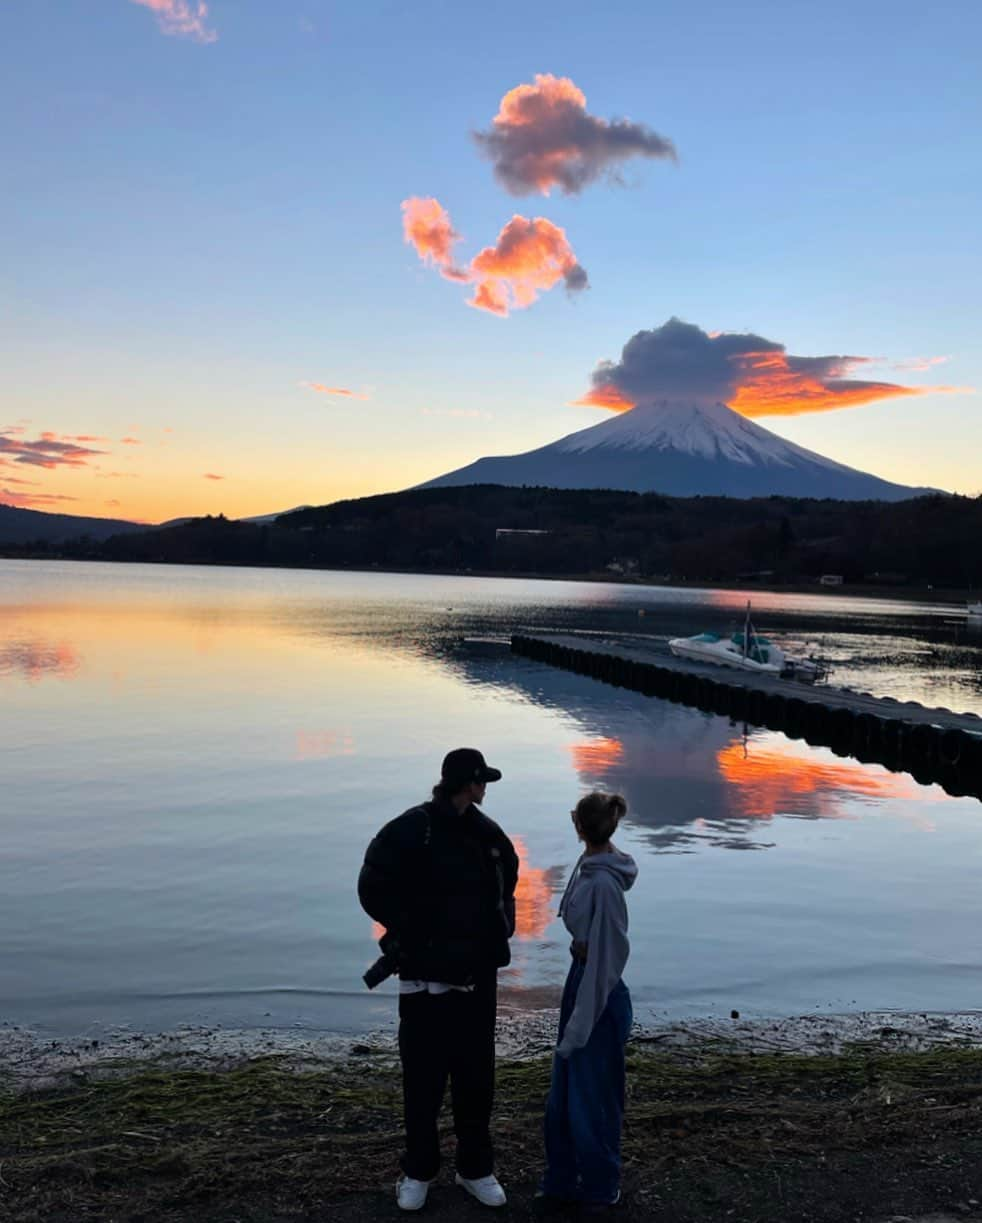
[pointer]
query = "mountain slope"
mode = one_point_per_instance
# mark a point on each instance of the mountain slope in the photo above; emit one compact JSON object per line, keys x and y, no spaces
{"x":681,"y":450}
{"x":34,"y":526}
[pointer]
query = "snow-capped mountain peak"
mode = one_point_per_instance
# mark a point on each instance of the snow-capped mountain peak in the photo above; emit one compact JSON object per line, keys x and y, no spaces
{"x":681,"y":449}
{"x":706,"y":430}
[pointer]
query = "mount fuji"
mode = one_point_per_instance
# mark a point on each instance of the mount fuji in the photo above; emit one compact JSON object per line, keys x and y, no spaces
{"x":682,"y":450}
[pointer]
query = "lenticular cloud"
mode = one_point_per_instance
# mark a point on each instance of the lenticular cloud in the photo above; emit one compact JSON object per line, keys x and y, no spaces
{"x":531,"y":256}
{"x":542,"y":137}
{"x":753,"y":375}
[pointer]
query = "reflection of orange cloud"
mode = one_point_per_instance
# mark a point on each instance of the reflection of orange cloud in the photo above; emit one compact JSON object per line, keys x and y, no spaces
{"x":37,"y":661}
{"x":770,"y":387}
{"x":533,"y":896}
{"x":596,"y":758}
{"x":772,"y":777}
{"x":533,"y":899}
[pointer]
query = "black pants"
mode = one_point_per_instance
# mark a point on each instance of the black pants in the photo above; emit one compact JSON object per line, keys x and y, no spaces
{"x":451,"y":1036}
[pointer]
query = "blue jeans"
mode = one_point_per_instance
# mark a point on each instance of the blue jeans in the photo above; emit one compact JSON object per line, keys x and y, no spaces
{"x":586,"y":1102}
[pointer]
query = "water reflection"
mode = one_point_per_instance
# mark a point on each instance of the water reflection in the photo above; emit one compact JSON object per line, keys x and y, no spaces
{"x":36,"y":660}
{"x":694,"y":778}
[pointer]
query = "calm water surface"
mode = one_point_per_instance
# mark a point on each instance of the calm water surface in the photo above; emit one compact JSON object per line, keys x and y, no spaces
{"x":193,"y":760}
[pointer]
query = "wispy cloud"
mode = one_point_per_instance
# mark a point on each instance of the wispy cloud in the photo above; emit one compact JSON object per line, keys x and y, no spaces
{"x":183,"y":18}
{"x":753,"y":375}
{"x":130,"y":441}
{"x":30,"y":501}
{"x":919,"y":364}
{"x":530,"y":256}
{"x":342,"y":391}
{"x":542,"y":137}
{"x":210,"y":475}
{"x":426,"y":226}
{"x":47,"y":450}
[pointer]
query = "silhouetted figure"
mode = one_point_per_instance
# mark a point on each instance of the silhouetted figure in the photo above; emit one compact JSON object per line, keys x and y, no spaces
{"x":441,"y":879}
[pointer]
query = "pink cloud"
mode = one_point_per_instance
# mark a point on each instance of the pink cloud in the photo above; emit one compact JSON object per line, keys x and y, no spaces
{"x":130,"y":441}
{"x":321,"y":389}
{"x":184,"y":18}
{"x":48,"y":451}
{"x":542,"y":137}
{"x":426,"y":226}
{"x":530,"y":256}
{"x":210,"y":475}
{"x":27,"y":501}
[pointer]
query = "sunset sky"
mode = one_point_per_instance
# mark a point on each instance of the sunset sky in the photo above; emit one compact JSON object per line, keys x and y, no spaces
{"x":257,"y":255}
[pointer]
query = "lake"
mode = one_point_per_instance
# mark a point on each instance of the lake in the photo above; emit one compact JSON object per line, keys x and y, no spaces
{"x":194,"y":760}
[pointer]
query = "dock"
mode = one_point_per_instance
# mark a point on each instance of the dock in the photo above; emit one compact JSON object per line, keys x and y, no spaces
{"x":936,"y":746}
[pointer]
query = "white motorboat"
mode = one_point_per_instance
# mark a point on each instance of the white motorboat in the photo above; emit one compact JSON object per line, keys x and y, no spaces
{"x":748,"y":651}
{"x":761,"y":656}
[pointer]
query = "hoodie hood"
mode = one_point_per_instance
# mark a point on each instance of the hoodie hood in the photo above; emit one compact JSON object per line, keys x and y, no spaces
{"x":621,"y":866}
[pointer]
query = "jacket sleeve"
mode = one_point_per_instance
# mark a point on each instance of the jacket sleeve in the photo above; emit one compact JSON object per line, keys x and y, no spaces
{"x":607,"y":952}
{"x":382,"y":880}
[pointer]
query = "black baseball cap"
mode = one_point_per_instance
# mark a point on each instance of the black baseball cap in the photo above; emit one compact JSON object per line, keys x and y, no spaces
{"x":464,"y":765}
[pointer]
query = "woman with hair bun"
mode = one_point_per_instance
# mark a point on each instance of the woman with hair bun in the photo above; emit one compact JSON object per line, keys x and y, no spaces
{"x":586,"y":1097}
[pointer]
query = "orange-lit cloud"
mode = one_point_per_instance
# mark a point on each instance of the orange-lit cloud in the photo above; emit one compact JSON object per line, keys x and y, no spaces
{"x":426,"y":227}
{"x":131,"y":441}
{"x":530,"y":257}
{"x":753,"y":375}
{"x":32,"y":501}
{"x":210,"y":475}
{"x":321,"y":389}
{"x":185,"y":18}
{"x":48,"y":450}
{"x":542,"y":137}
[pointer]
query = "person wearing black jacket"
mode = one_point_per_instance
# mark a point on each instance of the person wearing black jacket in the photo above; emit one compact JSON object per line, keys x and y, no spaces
{"x":441,"y":879}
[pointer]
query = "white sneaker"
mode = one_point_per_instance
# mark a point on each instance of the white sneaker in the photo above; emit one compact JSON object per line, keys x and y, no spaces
{"x":486,"y":1189}
{"x":410,"y":1194}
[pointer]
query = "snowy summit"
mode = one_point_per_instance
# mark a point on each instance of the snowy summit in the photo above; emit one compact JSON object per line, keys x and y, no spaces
{"x":682,"y":450}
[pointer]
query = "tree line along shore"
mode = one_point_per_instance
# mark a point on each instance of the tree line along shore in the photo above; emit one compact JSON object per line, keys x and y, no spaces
{"x":920,"y":544}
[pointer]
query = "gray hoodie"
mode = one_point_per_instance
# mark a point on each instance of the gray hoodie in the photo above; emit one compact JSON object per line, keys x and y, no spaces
{"x":595,"y":913}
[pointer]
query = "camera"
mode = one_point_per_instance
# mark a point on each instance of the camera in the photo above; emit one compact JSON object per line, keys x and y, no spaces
{"x":386,"y":964}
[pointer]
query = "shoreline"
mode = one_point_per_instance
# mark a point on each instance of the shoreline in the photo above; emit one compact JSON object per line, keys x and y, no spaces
{"x":956,"y":599}
{"x":31,"y":1061}
{"x":873,"y":1117}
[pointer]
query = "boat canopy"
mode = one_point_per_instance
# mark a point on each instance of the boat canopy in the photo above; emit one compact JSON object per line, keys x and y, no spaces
{"x":758,"y":649}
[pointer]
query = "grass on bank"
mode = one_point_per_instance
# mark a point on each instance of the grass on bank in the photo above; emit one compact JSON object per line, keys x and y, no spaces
{"x":160,"y":1143}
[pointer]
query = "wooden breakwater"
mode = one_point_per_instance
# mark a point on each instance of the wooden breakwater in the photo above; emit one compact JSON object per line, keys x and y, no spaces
{"x":933,"y":745}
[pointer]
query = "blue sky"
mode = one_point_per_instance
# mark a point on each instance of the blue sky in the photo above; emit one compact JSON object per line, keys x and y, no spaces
{"x":192,"y":230}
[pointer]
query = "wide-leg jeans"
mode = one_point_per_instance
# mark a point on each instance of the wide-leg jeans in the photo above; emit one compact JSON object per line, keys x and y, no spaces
{"x":586,"y":1102}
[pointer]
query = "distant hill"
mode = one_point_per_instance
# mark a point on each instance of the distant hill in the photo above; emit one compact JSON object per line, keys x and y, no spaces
{"x":35,"y":526}
{"x":681,"y":450}
{"x":494,"y":529}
